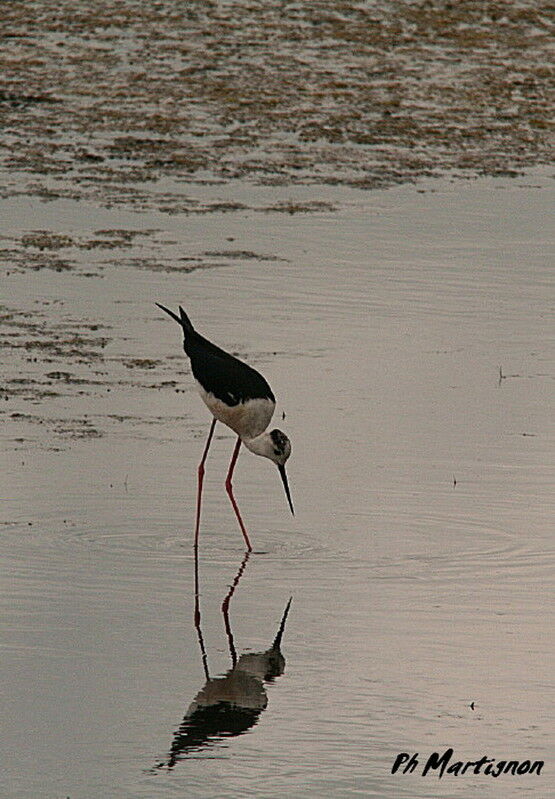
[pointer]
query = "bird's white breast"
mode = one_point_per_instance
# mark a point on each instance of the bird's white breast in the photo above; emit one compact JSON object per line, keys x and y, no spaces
{"x":248,"y":419}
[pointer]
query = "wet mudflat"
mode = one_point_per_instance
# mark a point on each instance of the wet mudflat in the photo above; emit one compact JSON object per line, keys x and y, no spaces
{"x":329,"y":92}
{"x":366,"y":221}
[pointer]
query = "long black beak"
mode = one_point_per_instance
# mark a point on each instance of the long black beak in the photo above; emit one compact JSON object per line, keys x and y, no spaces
{"x":170,"y":313}
{"x":283,"y":474}
{"x":277,"y":639}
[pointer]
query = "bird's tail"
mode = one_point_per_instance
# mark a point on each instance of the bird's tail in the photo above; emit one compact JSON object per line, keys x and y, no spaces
{"x":185,"y":322}
{"x":182,"y":319}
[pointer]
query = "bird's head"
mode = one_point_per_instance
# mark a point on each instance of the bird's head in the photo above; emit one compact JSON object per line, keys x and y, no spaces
{"x":276,"y":446}
{"x":280,"y":447}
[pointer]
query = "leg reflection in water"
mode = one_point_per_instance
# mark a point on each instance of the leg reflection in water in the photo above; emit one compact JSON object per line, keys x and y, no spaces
{"x":230,"y":704}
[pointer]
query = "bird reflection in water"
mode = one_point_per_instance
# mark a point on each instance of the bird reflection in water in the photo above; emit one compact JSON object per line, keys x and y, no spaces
{"x":230,"y":704}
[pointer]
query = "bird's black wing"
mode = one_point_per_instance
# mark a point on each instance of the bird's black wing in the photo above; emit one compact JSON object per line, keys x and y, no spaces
{"x":225,"y":376}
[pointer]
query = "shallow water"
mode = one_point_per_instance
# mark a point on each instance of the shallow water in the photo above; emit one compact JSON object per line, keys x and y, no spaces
{"x":406,"y":335}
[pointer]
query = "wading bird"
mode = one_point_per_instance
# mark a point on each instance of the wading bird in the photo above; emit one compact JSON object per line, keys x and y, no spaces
{"x":237,"y":395}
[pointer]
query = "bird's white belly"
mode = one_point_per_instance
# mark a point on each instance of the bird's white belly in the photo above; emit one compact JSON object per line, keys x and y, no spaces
{"x":248,"y":419}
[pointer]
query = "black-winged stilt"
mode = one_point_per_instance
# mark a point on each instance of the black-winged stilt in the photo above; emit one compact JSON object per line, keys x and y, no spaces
{"x":237,"y":395}
{"x":232,"y":703}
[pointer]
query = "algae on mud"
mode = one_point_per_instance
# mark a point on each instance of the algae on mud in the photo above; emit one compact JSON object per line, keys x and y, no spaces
{"x":100,"y":97}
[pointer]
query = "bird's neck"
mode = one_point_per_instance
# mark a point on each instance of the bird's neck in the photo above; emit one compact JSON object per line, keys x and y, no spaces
{"x":260,"y":445}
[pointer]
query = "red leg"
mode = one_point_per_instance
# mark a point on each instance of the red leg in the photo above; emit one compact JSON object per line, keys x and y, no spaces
{"x":225,"y":610}
{"x":201,"y":477}
{"x":229,"y":489}
{"x":197,"y":618}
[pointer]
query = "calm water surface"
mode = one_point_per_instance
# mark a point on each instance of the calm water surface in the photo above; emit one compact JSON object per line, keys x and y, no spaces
{"x":421,"y":557}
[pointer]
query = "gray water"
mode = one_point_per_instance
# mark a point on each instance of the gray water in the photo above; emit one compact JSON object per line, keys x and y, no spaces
{"x":407,"y":335}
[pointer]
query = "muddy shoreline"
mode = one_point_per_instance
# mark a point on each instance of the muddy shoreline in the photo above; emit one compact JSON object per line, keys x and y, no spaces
{"x":96,"y":99}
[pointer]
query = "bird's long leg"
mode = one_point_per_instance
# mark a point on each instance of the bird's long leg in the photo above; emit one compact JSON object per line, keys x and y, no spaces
{"x":229,"y":489}
{"x":225,"y":609}
{"x":197,"y":619}
{"x":201,"y":478}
